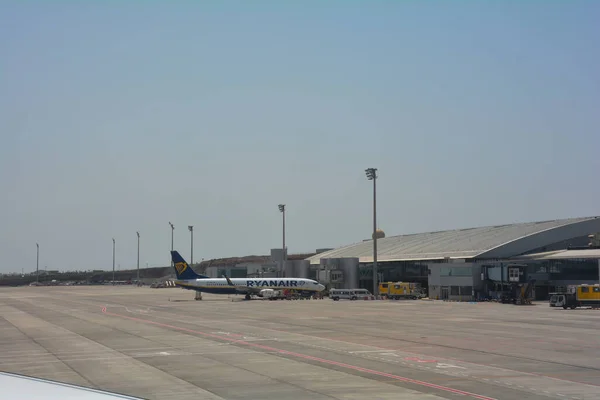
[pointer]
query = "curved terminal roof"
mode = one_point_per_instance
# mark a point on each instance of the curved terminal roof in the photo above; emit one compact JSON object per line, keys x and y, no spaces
{"x":580,"y":254}
{"x":491,"y":242}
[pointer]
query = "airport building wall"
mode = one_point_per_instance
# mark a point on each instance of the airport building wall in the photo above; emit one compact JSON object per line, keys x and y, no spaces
{"x":296,"y":268}
{"x":462,"y":280}
{"x":394,"y":271}
{"x":339,"y":273}
{"x":453,"y":281}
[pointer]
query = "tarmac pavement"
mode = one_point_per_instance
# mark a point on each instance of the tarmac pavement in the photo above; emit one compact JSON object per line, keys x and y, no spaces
{"x":160,"y":343}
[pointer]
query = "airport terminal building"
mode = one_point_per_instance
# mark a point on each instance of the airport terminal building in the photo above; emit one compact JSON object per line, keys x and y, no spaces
{"x":464,"y":264}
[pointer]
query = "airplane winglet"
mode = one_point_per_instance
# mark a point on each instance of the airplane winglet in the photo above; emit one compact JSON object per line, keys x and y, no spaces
{"x":228,"y":280}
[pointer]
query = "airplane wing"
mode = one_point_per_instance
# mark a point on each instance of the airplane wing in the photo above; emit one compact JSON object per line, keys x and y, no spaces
{"x":25,"y":387}
{"x":242,"y":289}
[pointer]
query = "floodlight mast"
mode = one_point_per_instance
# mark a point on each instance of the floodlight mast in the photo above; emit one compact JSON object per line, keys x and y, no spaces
{"x":284,"y":255}
{"x":372,"y":176}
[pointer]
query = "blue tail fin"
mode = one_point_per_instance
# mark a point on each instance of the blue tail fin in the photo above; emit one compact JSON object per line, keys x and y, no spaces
{"x":182,"y":269}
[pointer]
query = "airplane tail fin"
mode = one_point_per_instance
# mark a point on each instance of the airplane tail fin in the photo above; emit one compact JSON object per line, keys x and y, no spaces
{"x":182,"y":269}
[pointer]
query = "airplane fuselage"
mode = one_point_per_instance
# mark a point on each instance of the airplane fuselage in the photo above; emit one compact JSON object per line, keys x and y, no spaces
{"x":248,"y":285}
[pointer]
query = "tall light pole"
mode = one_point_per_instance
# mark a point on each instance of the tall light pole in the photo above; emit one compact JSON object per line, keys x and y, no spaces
{"x":284,"y":255}
{"x":372,"y":176}
{"x":37,"y":264}
{"x":172,"y":230}
{"x":113,"y":261}
{"x":138,"y":258}
{"x":191,"y":228}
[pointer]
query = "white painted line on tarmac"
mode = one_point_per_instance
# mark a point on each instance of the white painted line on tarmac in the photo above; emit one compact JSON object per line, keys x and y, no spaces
{"x":444,"y":365}
{"x":367,"y":351}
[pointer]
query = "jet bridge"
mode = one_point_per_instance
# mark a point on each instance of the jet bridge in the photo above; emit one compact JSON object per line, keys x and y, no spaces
{"x":509,"y":283}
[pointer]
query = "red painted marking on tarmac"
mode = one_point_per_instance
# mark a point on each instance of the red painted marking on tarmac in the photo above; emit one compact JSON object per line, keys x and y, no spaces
{"x":445,"y":358}
{"x":306,"y":357}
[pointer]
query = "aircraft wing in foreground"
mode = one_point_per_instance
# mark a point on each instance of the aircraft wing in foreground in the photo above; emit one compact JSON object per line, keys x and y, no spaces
{"x":21,"y":387}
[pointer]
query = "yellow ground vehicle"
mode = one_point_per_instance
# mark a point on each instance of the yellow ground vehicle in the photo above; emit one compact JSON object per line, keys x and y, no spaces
{"x":401,"y":290}
{"x":577,"y":296}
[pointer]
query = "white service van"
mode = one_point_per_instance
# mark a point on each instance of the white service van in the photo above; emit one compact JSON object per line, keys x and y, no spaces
{"x":271,"y":294}
{"x":349,"y":294}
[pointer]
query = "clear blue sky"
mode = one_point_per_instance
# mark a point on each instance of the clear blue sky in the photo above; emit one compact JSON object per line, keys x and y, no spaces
{"x":117,"y":117}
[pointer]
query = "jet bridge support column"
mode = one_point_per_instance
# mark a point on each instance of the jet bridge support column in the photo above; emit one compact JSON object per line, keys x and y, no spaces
{"x":198,"y":296}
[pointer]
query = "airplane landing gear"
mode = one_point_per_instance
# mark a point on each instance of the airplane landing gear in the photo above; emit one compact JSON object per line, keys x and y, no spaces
{"x":248,"y":297}
{"x":198,"y":296}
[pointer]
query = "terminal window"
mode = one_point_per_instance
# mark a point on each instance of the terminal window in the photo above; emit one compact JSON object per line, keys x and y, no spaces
{"x":513,"y":275}
{"x":336,"y":276}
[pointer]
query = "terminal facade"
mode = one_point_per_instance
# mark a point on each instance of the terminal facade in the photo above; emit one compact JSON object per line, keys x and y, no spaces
{"x":470,"y":264}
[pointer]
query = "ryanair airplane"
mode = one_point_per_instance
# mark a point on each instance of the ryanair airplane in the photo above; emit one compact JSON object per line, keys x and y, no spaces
{"x":188,"y":279}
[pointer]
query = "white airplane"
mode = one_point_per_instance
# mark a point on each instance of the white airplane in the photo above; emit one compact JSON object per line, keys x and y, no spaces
{"x":188,"y":279}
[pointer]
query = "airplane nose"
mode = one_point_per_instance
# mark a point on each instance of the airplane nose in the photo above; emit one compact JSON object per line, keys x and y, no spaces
{"x":321,"y":287}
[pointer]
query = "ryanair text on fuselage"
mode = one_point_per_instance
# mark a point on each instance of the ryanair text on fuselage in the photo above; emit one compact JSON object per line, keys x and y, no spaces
{"x":274,"y":283}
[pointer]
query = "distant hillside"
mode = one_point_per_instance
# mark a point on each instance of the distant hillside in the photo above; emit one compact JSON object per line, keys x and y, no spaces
{"x":131,"y":274}
{"x":232,"y":261}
